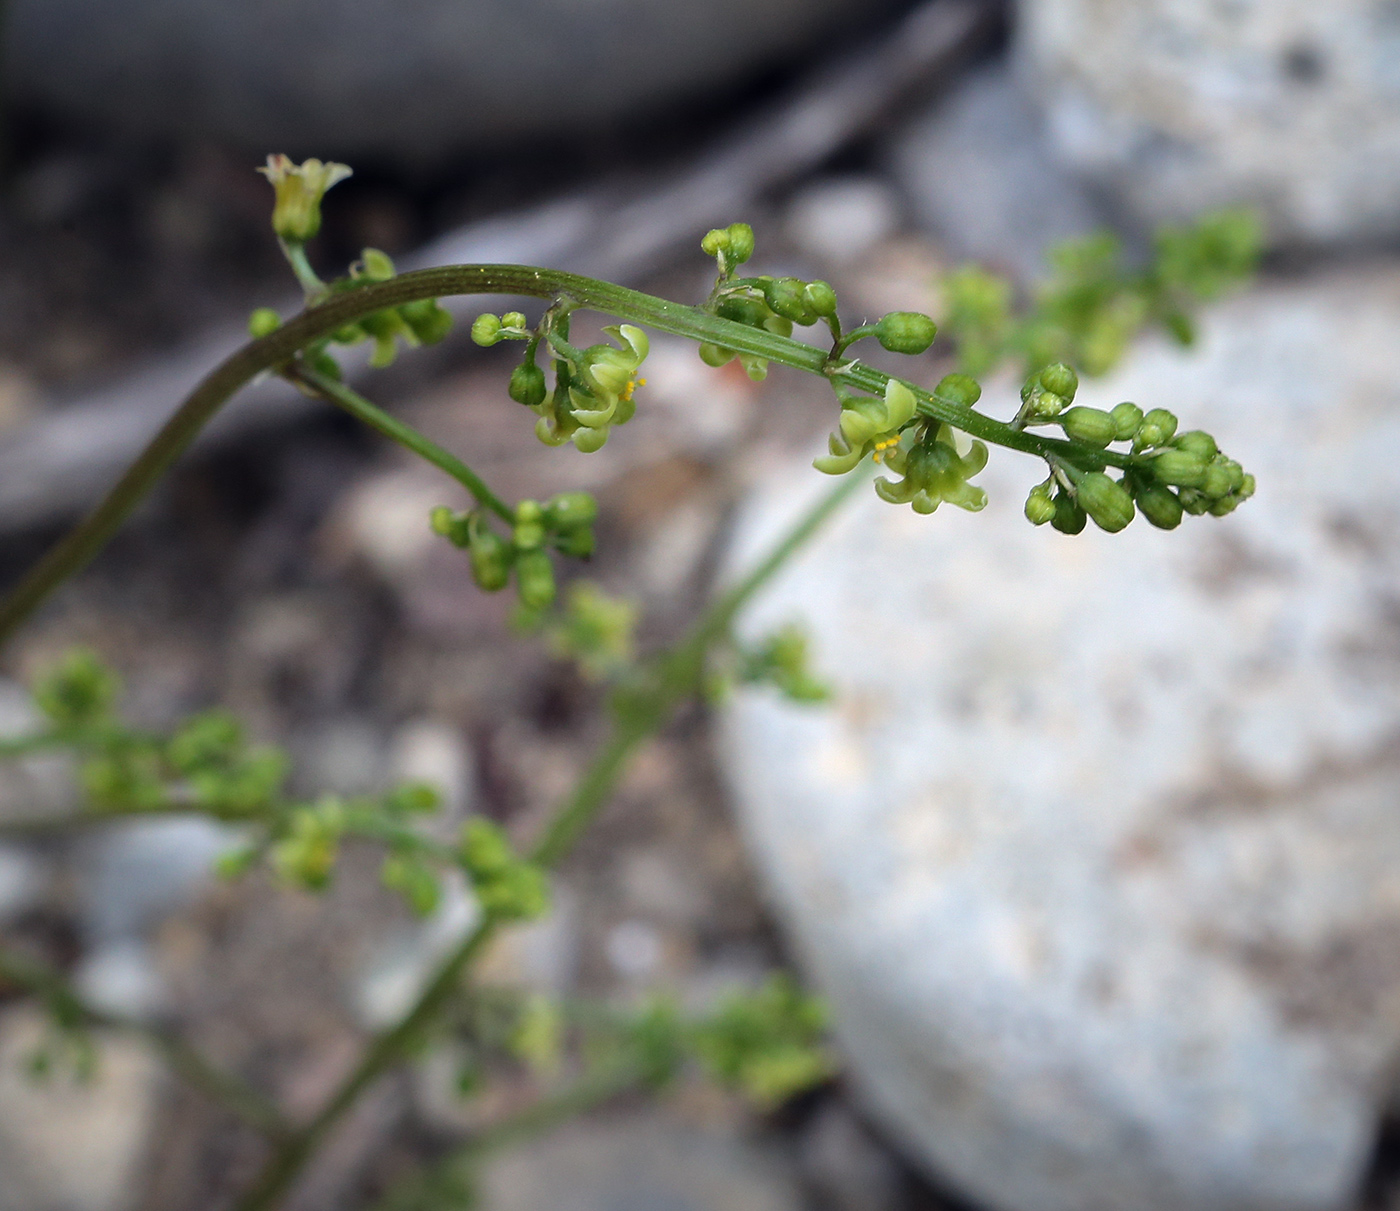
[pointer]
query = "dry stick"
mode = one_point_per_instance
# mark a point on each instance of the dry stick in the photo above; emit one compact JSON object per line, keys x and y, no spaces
{"x":676,"y":674}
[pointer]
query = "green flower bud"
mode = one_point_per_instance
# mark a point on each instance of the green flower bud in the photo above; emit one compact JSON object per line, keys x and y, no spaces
{"x":786,"y":296}
{"x":263,"y":322}
{"x":570,"y":509}
{"x":527,"y":385}
{"x":755,"y":367}
{"x":1193,"y":501}
{"x":375,"y":265}
{"x":1198,"y":442}
{"x":534,"y":580}
{"x":959,"y":388}
{"x":490,"y":559}
{"x":513,"y":319}
{"x":1224,"y":506}
{"x":529,"y":525}
{"x":715,"y":355}
{"x":779,"y":324}
{"x":589,"y":441}
{"x":1160,"y":506}
{"x":1181,"y":468}
{"x":1246,"y":488}
{"x":743,"y":311}
{"x":1090,"y":425}
{"x":451,"y":525}
{"x":1216,"y":483}
{"x":429,"y":321}
{"x":1156,"y":429}
{"x":740,"y":242}
{"x":579,"y":542}
{"x":1040,"y":506}
{"x":1107,"y":502}
{"x":299,"y":188}
{"x":1069,"y":517}
{"x":905,"y":332}
{"x":1126,"y":419}
{"x":821,"y":298}
{"x":716,"y":241}
{"x":486,"y":329}
{"x":1061,"y":380}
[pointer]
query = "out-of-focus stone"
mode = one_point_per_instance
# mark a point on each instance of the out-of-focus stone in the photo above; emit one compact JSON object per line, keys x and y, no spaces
{"x":41,"y":785}
{"x":136,"y":872}
{"x":979,"y":175}
{"x":847,"y":1168}
{"x":121,"y":978}
{"x":68,"y":1144}
{"x":840,"y":219}
{"x":630,"y":1164}
{"x":1286,"y":104}
{"x":374,"y":78}
{"x":23,"y":879}
{"x":435,"y":752}
{"x":1096,"y":855}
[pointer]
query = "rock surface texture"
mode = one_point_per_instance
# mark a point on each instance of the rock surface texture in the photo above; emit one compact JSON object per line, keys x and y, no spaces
{"x":1097,"y":856}
{"x":392,"y":79}
{"x":1177,"y":107}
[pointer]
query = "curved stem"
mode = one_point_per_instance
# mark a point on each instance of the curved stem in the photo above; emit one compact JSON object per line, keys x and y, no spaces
{"x":75,"y":550}
{"x":407,"y":436}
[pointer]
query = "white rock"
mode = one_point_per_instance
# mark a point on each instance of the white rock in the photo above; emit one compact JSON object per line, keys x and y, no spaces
{"x":1097,"y":856}
{"x":136,"y":872}
{"x":1178,"y":107}
{"x":67,"y":1144}
{"x":842,"y":218}
{"x":635,"y":1163}
{"x":121,"y":978}
{"x":980,"y":175}
{"x":23,"y":880}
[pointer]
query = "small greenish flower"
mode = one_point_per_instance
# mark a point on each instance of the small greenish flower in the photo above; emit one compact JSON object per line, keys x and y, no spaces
{"x":868,"y":424}
{"x":934,"y":472}
{"x":299,"y":188}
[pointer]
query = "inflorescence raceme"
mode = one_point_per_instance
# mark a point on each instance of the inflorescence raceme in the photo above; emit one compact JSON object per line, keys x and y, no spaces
{"x":1108,"y":467}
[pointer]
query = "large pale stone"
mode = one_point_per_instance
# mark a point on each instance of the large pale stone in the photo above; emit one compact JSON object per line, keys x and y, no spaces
{"x":1098,"y":854}
{"x":1180,"y":105}
{"x":401,"y":80}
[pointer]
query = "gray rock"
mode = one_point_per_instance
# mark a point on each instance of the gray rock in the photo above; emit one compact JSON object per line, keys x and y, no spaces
{"x":980,"y":175}
{"x":1097,"y":855}
{"x":134,"y":873}
{"x":395,"y":80}
{"x":24,"y":878}
{"x":68,"y":1144}
{"x":1294,"y":107}
{"x":637,"y":1165}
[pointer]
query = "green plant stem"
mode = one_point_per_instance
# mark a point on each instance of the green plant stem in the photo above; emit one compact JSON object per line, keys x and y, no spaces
{"x":270,"y":352}
{"x":407,"y":436}
{"x":223,"y":1087}
{"x":587,"y":1093}
{"x":675,"y":675}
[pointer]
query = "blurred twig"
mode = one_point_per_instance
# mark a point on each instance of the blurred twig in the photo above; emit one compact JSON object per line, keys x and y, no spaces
{"x":227,"y":1090}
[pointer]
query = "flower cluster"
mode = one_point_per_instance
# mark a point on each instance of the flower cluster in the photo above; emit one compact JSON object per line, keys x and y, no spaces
{"x":564,"y":523}
{"x":593,"y":387}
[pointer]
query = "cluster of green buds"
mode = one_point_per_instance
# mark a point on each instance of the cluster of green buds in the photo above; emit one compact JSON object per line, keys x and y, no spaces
{"x":1173,"y":473}
{"x":564,"y":523}
{"x":593,"y":388}
{"x":783,"y":660}
{"x":508,"y":887}
{"x":595,"y":630}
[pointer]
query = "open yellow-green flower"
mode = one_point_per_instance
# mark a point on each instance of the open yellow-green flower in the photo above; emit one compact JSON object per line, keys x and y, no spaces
{"x":296,"y":215}
{"x":867,"y":424}
{"x":599,"y":392}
